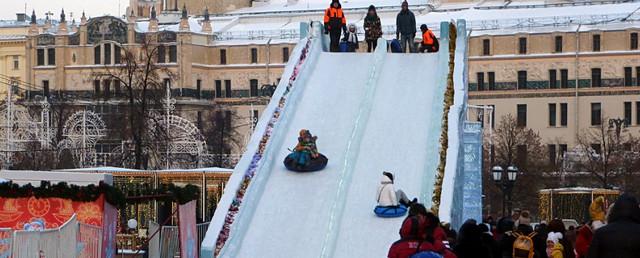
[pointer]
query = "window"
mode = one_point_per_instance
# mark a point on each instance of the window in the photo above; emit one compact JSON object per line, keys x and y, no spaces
{"x":492,"y":80}
{"x":553,"y":79}
{"x":45,"y":88}
{"x":522,"y":115}
{"x":596,"y":148}
{"x":628,"y":76}
{"x":51,"y":56}
{"x":596,"y":77}
{"x":223,"y":56}
{"x":552,"y":114}
{"x":596,"y":114}
{"x":107,"y":54}
{"x":522,"y":79}
{"x":199,"y":120}
{"x":285,"y":54}
{"x":96,"y":88}
{"x":627,"y":113}
{"x":637,"y":112}
{"x":116,"y":87}
{"x":40,"y":54}
{"x":563,"y":114}
{"x":173,"y":54}
{"x":107,"y":89}
{"x":254,"y":55}
{"x":633,"y":41}
{"x":117,"y":54}
{"x":564,"y":78}
{"x":522,"y":46}
{"x":227,"y":88}
{"x":521,"y":155}
{"x":596,"y":43}
{"x":637,"y":75}
{"x":198,"y":88}
{"x":558,"y":44}
{"x":16,"y":62}
{"x":480,"y":81}
{"x":161,"y":54}
{"x":552,"y":154}
{"x":486,"y":47}
{"x":493,"y":116}
{"x":96,"y":55}
{"x":218,"y":89}
{"x":253,"y":86}
{"x":563,"y":149}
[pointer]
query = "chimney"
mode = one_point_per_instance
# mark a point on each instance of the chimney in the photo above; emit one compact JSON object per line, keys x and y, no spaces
{"x":21,"y":17}
{"x":206,"y":23}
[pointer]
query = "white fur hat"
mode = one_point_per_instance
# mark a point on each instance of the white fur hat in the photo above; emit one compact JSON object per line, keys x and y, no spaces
{"x":554,"y":237}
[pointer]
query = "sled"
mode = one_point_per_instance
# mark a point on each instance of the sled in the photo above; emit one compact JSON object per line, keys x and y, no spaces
{"x":390,"y":211}
{"x":344,"y":47}
{"x":395,"y":46}
{"x":314,"y":164}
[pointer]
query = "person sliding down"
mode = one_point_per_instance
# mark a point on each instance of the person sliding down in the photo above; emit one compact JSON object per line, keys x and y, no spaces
{"x":305,"y":156}
{"x":387,"y":194}
{"x":429,"y":41}
{"x":334,"y":22}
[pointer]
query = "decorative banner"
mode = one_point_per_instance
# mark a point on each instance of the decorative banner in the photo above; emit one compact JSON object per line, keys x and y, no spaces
{"x":187,"y":230}
{"x":109,"y":225}
{"x":17,"y":212}
{"x":5,"y":242}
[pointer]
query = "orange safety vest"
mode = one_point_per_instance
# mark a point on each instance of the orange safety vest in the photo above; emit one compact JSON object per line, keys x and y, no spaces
{"x":334,"y":13}
{"x":427,"y":37}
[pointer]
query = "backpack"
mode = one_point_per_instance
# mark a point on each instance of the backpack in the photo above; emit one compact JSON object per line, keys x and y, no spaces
{"x":425,"y":254}
{"x":523,"y":245}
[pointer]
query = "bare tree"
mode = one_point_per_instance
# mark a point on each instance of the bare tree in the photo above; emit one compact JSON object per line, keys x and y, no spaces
{"x":221,"y":134}
{"x":609,"y":152}
{"x":140,"y":78}
{"x":521,"y":147}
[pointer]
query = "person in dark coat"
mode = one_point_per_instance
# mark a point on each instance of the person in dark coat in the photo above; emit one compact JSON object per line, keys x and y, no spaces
{"x":334,"y":23}
{"x":372,"y":28}
{"x":470,"y":243}
{"x":505,"y":236}
{"x":620,"y":238}
{"x":488,"y":241}
{"x":406,"y":28}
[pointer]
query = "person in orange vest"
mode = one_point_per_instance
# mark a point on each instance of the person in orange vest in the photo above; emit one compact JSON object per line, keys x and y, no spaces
{"x":334,"y":22}
{"x":428,"y":40}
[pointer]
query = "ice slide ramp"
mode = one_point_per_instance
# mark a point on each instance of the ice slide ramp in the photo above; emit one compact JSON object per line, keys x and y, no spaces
{"x":371,"y":112}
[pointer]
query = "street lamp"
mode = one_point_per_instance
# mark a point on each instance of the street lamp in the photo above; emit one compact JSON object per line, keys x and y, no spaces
{"x":505,"y":183}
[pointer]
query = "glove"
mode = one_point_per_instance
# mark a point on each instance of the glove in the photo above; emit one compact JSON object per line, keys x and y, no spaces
{"x":326,"y":30}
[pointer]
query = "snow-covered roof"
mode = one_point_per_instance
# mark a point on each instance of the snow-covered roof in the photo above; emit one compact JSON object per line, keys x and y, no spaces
{"x":577,"y":189}
{"x":99,"y":170}
{"x":199,"y":170}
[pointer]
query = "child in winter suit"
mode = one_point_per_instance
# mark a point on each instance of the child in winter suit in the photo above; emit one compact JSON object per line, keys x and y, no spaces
{"x":554,"y":247}
{"x":352,"y":38}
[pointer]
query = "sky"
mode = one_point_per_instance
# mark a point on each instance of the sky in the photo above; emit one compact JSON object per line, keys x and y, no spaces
{"x":92,"y":8}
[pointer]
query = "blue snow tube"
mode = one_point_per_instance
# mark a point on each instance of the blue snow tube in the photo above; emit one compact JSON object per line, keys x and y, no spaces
{"x":290,"y":162}
{"x":344,"y":46}
{"x":396,"y":47}
{"x":390,"y":211}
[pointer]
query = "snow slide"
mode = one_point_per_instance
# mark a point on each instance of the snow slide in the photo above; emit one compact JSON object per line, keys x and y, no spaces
{"x":372,"y":113}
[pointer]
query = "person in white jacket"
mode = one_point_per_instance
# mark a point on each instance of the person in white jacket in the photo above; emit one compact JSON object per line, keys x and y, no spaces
{"x":388,"y":195}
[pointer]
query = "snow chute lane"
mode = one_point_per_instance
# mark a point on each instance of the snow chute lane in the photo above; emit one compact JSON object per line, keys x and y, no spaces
{"x":371,"y":113}
{"x":291,"y":216}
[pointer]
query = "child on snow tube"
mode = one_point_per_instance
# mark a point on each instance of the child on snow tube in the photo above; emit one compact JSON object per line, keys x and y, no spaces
{"x":305,"y":156}
{"x":391,"y":203}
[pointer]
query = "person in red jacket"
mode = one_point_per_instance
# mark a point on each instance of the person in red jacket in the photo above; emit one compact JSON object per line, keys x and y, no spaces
{"x":334,"y":22}
{"x":411,"y":240}
{"x":583,"y":240}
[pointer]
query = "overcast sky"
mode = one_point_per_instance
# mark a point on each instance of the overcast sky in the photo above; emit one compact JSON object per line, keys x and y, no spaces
{"x":92,"y":8}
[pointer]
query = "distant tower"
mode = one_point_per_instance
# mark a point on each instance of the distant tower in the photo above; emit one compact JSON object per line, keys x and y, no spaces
{"x":206,"y":23}
{"x":184,"y":19}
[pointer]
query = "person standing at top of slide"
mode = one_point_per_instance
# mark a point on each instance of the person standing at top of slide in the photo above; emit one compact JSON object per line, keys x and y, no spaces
{"x":406,"y":28}
{"x":334,"y":21}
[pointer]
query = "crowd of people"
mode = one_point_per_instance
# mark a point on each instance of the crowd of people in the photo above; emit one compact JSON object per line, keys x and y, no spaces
{"x":613,"y":232}
{"x":335,"y":25}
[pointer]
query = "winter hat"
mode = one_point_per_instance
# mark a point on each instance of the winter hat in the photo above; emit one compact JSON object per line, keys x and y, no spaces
{"x":524,"y":219}
{"x":372,"y":8}
{"x":389,"y":175}
{"x":554,"y":237}
{"x":424,"y":27}
{"x":404,"y":3}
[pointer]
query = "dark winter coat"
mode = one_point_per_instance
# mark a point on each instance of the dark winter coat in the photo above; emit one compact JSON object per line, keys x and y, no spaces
{"x":470,"y":244}
{"x":494,"y":247}
{"x":406,"y":23}
{"x":621,"y":237}
{"x":372,"y":28}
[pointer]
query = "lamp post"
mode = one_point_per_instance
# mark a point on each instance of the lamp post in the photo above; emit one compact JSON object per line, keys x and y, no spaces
{"x":505,"y":182}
